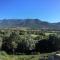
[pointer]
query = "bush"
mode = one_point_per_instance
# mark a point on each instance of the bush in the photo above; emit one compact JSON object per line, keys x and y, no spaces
{"x":3,"y":53}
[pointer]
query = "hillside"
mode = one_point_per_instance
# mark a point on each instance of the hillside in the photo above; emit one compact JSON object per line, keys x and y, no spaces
{"x":28,"y":23}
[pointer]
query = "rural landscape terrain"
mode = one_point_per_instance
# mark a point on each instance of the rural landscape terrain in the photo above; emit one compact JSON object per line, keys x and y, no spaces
{"x":28,"y":39}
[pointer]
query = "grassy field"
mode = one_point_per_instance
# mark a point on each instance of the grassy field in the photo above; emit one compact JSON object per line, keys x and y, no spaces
{"x":20,"y":57}
{"x":4,"y":56}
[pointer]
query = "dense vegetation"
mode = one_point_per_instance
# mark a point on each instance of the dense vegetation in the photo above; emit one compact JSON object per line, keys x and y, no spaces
{"x":28,"y":42}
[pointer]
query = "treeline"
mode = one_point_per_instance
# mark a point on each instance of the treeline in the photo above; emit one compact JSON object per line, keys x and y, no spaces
{"x":16,"y":43}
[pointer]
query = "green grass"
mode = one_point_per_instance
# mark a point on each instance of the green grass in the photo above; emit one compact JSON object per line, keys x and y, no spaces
{"x":5,"y":56}
{"x":20,"y":57}
{"x":47,"y":34}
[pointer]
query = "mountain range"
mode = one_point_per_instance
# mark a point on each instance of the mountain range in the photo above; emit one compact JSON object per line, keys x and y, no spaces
{"x":28,"y":23}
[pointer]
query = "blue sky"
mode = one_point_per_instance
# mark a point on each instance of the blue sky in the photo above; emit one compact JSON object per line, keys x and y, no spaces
{"x":46,"y":10}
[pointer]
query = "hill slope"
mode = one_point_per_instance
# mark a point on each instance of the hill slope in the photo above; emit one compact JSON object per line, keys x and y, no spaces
{"x":28,"y":23}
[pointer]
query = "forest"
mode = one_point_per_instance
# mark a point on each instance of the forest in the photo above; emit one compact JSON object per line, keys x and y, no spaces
{"x":28,"y":42}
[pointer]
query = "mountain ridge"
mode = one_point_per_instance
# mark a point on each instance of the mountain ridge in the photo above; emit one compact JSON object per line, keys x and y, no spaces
{"x":29,"y":23}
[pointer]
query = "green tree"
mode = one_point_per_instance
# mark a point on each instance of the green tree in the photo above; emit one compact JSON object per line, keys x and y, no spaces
{"x":10,"y":43}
